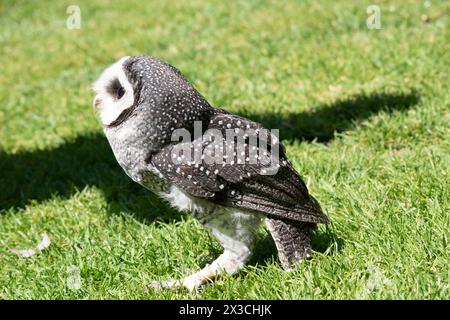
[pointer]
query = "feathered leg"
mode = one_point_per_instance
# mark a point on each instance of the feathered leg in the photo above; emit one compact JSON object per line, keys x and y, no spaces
{"x":236,"y":231}
{"x":291,"y":239}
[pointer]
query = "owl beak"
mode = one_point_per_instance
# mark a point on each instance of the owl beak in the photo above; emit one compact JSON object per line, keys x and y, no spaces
{"x":96,"y":103}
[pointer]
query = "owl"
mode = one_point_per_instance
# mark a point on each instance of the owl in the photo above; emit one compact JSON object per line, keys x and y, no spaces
{"x":228,"y":172}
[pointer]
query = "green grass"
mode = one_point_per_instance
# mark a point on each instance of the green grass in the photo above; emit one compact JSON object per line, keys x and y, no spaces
{"x":363,"y":113}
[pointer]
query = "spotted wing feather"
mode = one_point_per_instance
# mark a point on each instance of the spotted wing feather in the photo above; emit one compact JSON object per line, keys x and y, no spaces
{"x":281,"y":195}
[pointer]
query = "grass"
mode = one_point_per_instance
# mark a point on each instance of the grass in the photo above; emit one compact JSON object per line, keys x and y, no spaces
{"x":363,"y":113}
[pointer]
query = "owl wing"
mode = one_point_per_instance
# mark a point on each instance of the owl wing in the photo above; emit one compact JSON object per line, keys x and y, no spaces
{"x":239,"y":173}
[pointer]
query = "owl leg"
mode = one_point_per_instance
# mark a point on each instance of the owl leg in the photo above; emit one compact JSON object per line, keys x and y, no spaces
{"x":228,"y":262}
{"x":291,"y":239}
{"x":237,"y":233}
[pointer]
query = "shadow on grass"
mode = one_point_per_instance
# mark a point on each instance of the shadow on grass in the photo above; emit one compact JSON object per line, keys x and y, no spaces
{"x":87,"y":161}
{"x":323,"y":122}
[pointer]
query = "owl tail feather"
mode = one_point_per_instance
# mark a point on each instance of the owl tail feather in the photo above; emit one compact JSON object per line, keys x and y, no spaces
{"x":291,"y":239}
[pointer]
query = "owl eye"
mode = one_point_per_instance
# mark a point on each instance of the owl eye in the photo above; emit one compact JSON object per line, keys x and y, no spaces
{"x":120,"y":92}
{"x":116,"y":89}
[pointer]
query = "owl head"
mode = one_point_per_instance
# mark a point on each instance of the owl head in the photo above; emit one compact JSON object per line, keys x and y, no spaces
{"x":114,"y":93}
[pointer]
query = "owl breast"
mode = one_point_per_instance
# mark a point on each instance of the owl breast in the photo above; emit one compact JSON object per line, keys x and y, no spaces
{"x":132,"y":154}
